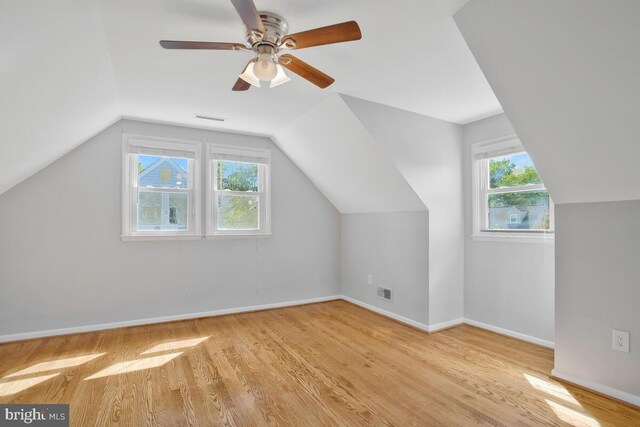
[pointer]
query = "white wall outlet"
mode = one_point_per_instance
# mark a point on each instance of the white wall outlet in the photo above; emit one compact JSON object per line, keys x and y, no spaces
{"x":621,"y":340}
{"x":369,"y":279}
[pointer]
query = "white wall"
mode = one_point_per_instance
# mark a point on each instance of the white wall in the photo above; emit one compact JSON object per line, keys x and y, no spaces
{"x":508,"y":285}
{"x":597,"y":290}
{"x":427,"y":152}
{"x":394,"y":248}
{"x":62,"y":263}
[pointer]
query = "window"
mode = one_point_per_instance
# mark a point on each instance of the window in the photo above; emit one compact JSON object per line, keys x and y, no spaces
{"x":510,"y":199}
{"x":161,"y":189}
{"x":238,"y":191}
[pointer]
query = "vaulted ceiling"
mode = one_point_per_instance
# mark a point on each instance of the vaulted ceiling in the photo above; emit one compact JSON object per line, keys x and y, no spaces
{"x":69,"y":68}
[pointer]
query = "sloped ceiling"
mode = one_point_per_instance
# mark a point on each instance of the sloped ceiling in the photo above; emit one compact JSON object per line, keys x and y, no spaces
{"x":71,"y":67}
{"x":57,"y":87}
{"x":338,"y":154}
{"x":567,"y":74}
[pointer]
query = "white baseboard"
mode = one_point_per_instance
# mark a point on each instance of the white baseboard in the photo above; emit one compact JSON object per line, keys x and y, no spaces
{"x":600,"y":388}
{"x":172,"y":318}
{"x":403,"y":319}
{"x":446,"y":325}
{"x":386,"y":313}
{"x":138,"y":322}
{"x":509,"y":333}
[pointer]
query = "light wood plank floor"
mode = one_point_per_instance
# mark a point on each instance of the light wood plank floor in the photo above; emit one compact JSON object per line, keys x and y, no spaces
{"x":321,"y":364}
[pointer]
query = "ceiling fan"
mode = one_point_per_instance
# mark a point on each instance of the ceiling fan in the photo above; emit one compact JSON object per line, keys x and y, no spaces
{"x":267,"y":36}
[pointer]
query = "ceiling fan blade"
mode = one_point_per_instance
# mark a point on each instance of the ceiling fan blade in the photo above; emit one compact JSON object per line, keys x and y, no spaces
{"x":249,"y":14}
{"x":338,"y":33}
{"x":176,"y":44}
{"x":242,"y":85}
{"x":305,"y":71}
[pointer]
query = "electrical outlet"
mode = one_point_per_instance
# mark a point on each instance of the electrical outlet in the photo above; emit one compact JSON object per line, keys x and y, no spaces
{"x":369,"y":279}
{"x":621,"y":340}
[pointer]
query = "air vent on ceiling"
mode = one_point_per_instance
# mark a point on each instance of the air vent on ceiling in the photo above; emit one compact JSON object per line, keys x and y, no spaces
{"x":384,"y":293}
{"x":215,"y":119}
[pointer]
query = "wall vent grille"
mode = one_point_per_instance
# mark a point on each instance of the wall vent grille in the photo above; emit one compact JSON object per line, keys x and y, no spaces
{"x":215,"y":119}
{"x":385,"y":294}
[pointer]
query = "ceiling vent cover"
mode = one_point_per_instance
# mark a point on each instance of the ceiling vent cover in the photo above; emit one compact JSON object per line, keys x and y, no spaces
{"x":384,"y":293}
{"x":215,"y":119}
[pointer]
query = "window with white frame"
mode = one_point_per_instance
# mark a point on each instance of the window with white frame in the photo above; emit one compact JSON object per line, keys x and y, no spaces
{"x":238,"y":191}
{"x":510,"y":198}
{"x":161,"y":187}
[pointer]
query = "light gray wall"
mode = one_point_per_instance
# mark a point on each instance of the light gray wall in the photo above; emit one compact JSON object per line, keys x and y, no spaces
{"x":62,"y":263}
{"x":508,"y":285}
{"x":394,"y":248}
{"x":597,"y":290}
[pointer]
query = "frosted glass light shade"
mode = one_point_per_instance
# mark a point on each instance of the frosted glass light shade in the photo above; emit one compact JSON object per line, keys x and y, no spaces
{"x":249,"y":76}
{"x":280,"y":78}
{"x":264,"y":68}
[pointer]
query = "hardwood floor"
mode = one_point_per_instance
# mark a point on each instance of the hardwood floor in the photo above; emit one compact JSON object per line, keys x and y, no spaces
{"x":322,"y":364}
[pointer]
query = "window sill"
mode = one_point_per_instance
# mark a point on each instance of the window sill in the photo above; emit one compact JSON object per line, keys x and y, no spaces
{"x":514,"y":238}
{"x":238,"y":236}
{"x":152,"y":238}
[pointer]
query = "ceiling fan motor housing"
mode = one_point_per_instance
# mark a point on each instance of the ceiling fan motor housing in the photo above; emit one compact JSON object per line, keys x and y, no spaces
{"x":275,"y":27}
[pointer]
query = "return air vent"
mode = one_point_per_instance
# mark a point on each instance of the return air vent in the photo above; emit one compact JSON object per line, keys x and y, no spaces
{"x":215,"y":119}
{"x":384,"y":293}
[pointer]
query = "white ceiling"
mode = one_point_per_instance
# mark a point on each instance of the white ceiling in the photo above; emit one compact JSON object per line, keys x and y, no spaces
{"x":399,"y":43}
{"x":71,"y":67}
{"x":568,"y":75}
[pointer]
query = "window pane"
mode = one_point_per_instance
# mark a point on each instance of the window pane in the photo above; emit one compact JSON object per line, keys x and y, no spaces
{"x":528,"y":210}
{"x":236,"y":176}
{"x":163,"y":172}
{"x":162,"y":211}
{"x":238,"y":212}
{"x":512,"y":170}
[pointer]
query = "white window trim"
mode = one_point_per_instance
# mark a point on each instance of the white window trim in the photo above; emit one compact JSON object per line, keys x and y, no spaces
{"x":129,"y":197}
{"x":506,"y":145}
{"x":264,"y":192}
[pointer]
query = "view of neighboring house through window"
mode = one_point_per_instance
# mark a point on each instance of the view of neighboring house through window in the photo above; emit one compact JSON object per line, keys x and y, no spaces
{"x":511,"y":196}
{"x":163,"y":193}
{"x":162,"y":189}
{"x":160,"y":192}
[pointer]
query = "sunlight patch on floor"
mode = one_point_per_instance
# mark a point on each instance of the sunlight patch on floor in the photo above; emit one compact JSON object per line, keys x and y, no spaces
{"x":15,"y":386}
{"x":53,"y":365}
{"x":134,"y":365}
{"x":175,"y":345}
{"x":572,"y":416}
{"x":554,"y":390}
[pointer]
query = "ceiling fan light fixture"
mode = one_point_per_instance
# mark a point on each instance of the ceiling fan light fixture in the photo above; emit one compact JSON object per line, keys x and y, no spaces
{"x":249,"y":75}
{"x":267,"y":34}
{"x":280,"y":78}
{"x":265,"y":67}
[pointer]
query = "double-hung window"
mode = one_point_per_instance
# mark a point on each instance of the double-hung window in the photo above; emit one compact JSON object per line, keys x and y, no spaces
{"x":161,"y":188}
{"x":510,"y":199}
{"x":238,"y":191}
